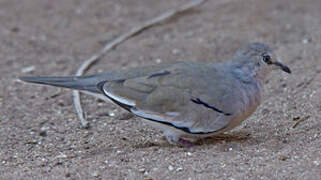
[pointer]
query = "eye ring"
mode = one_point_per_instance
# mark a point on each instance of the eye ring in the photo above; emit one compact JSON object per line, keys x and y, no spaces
{"x":267,"y":59}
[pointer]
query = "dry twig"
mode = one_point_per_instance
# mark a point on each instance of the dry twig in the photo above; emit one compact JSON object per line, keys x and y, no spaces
{"x":134,"y":31}
{"x":299,"y":120}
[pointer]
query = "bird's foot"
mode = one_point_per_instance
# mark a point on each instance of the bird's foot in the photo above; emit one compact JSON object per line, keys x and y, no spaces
{"x":185,"y":143}
{"x":179,"y":141}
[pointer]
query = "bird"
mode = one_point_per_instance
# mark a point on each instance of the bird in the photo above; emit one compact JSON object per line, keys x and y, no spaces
{"x":186,"y":100}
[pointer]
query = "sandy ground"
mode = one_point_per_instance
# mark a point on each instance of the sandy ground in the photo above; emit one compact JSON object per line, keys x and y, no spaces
{"x":41,"y":137}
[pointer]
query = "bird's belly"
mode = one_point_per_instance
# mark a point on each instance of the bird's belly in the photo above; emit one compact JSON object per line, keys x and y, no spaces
{"x":249,"y":101}
{"x":244,"y":114}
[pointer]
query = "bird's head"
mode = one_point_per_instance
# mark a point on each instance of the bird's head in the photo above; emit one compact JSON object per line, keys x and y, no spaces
{"x":258,"y":59}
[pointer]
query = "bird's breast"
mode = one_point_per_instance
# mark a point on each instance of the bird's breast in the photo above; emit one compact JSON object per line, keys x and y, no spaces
{"x":250,"y":99}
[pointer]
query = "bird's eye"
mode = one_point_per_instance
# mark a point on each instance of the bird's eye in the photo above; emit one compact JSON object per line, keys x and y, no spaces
{"x":267,"y":59}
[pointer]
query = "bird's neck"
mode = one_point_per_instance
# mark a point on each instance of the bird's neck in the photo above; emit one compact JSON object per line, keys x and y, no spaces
{"x":247,"y":71}
{"x":251,"y":81}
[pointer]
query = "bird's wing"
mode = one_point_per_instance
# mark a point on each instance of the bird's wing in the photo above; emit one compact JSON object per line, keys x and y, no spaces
{"x":177,"y":96}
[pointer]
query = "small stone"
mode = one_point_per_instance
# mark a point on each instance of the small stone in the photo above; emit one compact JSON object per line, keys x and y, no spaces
{"x":67,"y":175}
{"x":305,"y":41}
{"x":43,"y":131}
{"x":148,"y":178}
{"x":171,"y":168}
{"x":158,"y":60}
{"x":61,"y":155}
{"x":95,"y":174}
{"x":111,"y":114}
{"x":175,"y":51}
{"x":317,"y":163}
{"x":28,"y":69}
{"x":59,"y":111}
{"x":179,"y":169}
{"x":61,"y":103}
{"x":296,"y":118}
{"x":283,"y":158}
{"x":154,"y":169}
{"x":59,"y":162}
{"x":189,"y":154}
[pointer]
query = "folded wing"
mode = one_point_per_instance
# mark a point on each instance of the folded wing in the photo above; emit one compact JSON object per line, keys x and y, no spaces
{"x":173,"y":97}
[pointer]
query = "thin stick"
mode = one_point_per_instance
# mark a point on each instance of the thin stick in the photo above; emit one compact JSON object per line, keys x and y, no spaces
{"x":76,"y":95}
{"x":133,"y":32}
{"x":299,"y":121}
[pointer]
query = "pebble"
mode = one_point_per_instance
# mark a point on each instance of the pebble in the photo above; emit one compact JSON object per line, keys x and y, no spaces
{"x":179,"y":169}
{"x":43,"y":131}
{"x":154,"y":169}
{"x":61,"y":155}
{"x":316,"y":163}
{"x":175,"y":51}
{"x":95,"y":174}
{"x":305,"y":41}
{"x":171,"y":168}
{"x":158,"y":60}
{"x":283,"y":158}
{"x":28,"y":69}
{"x":111,"y":114}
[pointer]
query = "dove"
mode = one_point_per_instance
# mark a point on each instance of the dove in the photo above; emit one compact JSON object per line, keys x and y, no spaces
{"x":185,"y":100}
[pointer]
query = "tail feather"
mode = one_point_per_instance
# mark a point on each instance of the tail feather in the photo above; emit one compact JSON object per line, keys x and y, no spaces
{"x":87,"y":83}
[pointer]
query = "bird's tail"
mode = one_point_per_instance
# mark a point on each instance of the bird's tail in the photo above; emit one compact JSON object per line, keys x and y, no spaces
{"x":87,"y":83}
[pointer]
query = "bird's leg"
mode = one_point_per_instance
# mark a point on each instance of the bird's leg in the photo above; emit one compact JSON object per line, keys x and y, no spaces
{"x":185,"y":143}
{"x":172,"y":139}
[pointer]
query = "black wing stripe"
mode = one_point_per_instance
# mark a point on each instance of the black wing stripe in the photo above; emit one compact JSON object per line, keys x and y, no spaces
{"x":185,"y":129}
{"x":198,"y":101}
{"x":159,"y":74}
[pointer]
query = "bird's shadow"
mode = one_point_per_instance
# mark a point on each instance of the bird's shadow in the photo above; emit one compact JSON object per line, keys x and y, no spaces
{"x":239,"y":137}
{"x":235,"y":137}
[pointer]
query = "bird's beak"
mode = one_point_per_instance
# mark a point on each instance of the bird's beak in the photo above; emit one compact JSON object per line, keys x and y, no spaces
{"x":282,"y":67}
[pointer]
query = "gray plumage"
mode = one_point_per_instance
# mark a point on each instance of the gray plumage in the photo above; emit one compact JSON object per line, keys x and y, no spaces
{"x":185,"y":100}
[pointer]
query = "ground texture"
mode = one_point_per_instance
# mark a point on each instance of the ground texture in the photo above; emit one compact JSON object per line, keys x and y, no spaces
{"x":41,"y":137}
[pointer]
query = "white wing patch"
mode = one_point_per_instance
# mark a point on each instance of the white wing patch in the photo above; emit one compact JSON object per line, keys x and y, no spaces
{"x":147,"y":115}
{"x":120,"y":99}
{"x":167,"y":118}
{"x":172,"y":113}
